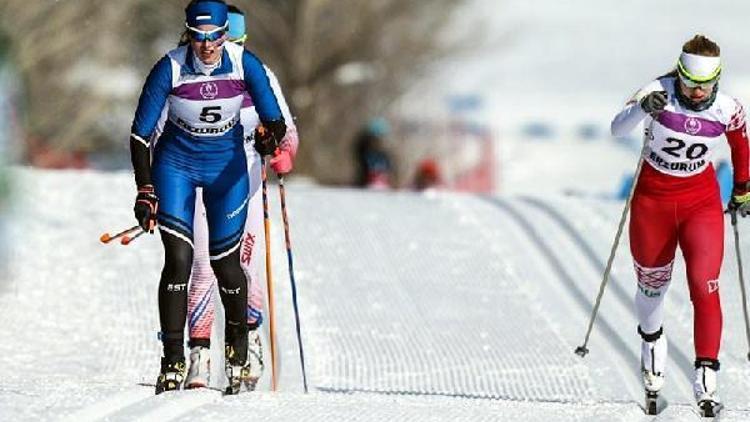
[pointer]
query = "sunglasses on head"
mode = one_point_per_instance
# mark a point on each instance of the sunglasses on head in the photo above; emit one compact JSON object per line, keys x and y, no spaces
{"x":213,"y":35}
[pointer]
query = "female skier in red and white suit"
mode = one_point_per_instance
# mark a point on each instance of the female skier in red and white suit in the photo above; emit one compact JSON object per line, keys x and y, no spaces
{"x":677,"y":202}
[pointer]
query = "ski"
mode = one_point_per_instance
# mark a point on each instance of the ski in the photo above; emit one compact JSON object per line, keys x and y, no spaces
{"x":237,"y":381}
{"x":153,"y":385}
{"x":232,"y":389}
{"x":709,"y":409}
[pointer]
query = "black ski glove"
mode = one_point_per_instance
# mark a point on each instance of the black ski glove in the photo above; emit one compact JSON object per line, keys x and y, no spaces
{"x":654,"y":102}
{"x":146,"y":205}
{"x":268,"y":135}
{"x":739,"y":203}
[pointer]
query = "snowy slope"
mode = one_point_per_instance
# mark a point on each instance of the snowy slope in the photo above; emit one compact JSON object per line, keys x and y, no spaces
{"x":414,"y":307}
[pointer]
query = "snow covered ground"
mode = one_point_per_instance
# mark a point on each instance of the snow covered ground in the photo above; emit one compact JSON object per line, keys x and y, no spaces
{"x":414,"y":307}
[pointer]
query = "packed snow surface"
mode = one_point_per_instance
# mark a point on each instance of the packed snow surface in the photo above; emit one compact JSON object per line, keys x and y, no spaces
{"x":431,"y":306}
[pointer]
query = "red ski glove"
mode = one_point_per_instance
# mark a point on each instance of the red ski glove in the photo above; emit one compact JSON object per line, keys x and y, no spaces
{"x":283,"y":158}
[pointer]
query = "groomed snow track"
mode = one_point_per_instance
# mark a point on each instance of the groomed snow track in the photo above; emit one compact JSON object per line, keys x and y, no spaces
{"x":414,"y":307}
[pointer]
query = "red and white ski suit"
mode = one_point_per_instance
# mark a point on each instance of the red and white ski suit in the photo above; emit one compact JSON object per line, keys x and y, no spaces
{"x":677,"y":202}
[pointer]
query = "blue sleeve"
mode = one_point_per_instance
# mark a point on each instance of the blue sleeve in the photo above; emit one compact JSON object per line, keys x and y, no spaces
{"x":259,"y":87}
{"x":153,"y":98}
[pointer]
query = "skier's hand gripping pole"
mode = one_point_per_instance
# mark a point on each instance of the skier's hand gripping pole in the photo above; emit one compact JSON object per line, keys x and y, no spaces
{"x":146,"y":207}
{"x":583,"y":350}
{"x":287,"y":238}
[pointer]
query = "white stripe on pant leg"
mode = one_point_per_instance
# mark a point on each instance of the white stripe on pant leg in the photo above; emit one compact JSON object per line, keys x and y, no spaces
{"x":176,"y":234}
{"x":226,"y":253}
{"x":653,"y":284}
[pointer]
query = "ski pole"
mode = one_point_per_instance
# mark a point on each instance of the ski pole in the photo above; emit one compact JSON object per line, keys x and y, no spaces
{"x":287,"y":238}
{"x":106,"y":237}
{"x":733,"y":214}
{"x":126,"y":240}
{"x":269,"y":275}
{"x":583,"y":350}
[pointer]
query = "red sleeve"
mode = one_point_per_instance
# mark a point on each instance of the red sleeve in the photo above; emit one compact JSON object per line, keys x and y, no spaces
{"x":740,"y":154}
{"x":737,"y":138}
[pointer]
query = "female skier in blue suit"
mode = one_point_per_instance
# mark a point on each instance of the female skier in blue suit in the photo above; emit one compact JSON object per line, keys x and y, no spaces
{"x":204,"y":83}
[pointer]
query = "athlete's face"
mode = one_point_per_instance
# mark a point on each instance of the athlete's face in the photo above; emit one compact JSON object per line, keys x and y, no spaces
{"x":208,"y":51}
{"x":697,"y":94}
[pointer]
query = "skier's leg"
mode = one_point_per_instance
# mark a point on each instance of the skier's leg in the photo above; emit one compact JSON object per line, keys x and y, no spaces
{"x":702,"y":244}
{"x":200,"y":302}
{"x":202,"y":280}
{"x":176,"y":192}
{"x":226,"y":211}
{"x":653,"y":241}
{"x":178,"y":257}
{"x":253,"y":245}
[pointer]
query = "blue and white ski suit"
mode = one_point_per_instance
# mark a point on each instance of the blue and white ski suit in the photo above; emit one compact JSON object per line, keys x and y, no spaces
{"x":202,"y":142}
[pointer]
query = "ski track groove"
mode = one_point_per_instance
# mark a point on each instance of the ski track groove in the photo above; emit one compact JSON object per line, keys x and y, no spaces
{"x":166,"y":406}
{"x":618,"y":343}
{"x":684,"y":363}
{"x":425,"y":362}
{"x":109,"y":406}
{"x":484,"y":217}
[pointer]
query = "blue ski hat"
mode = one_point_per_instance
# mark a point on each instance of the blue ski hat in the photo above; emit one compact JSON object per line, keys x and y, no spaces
{"x":208,"y":12}
{"x":236,"y":26}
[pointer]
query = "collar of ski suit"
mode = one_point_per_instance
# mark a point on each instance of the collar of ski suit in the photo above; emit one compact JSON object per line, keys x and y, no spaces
{"x":224,"y":67}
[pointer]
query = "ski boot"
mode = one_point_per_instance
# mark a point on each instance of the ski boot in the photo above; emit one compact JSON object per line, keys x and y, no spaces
{"x":705,"y":386}
{"x":653,"y":363}
{"x":171,"y":375}
{"x":254,"y":365}
{"x":199,"y":373}
{"x":235,"y":358}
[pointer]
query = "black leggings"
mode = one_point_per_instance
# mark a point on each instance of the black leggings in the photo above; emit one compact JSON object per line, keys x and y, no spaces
{"x":178,"y":261}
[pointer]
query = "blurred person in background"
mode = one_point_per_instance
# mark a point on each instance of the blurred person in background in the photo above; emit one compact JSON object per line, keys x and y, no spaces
{"x":374,"y":163}
{"x":677,"y":202}
{"x":202,"y":280}
{"x":204,"y":84}
{"x":428,"y":175}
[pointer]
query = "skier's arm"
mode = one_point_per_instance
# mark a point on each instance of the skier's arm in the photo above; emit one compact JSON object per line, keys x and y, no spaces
{"x":291,"y":139}
{"x":627,"y":119}
{"x":738,"y":142}
{"x":150,"y":105}
{"x":282,"y":161}
{"x":266,"y":103}
{"x":633,"y":113}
